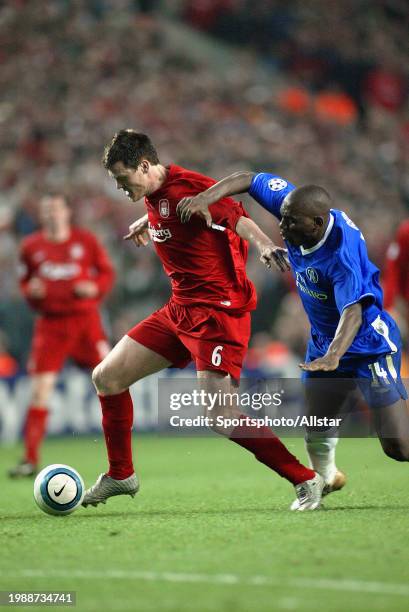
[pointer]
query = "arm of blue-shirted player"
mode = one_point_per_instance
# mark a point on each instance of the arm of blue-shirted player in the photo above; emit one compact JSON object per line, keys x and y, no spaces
{"x":258,"y":186}
{"x":238,"y":182}
{"x":347,"y":329}
{"x":269,"y":252}
{"x":269,"y":190}
{"x":351,"y":296}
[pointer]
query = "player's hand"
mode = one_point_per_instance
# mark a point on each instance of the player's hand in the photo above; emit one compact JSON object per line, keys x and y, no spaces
{"x":328,"y":363}
{"x":36,"y":288}
{"x":138,"y":232}
{"x":194,"y":205}
{"x":275,"y":255}
{"x":86,"y":289}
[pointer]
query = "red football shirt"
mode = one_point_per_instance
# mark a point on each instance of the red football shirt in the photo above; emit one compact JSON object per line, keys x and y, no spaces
{"x":206,"y":266}
{"x":396,"y":275}
{"x":60,"y":265}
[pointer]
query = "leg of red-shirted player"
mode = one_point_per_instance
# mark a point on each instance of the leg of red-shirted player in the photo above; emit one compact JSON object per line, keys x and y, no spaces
{"x":34,"y":432}
{"x":128,"y":362}
{"x":268,"y":449}
{"x":117,"y":419}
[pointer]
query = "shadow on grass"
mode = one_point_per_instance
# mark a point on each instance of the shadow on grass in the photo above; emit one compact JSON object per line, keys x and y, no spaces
{"x":176,"y":514}
{"x":86,"y":515}
{"x":399,"y":508}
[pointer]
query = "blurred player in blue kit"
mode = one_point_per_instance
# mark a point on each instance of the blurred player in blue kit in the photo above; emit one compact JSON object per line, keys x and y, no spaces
{"x":353,"y":342}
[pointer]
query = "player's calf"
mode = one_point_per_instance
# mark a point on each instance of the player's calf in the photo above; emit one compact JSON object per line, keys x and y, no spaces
{"x":396,"y":449}
{"x":223,"y":420}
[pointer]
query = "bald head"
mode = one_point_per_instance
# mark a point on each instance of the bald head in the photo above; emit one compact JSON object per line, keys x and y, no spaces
{"x":305,"y":215}
{"x":312,"y":200}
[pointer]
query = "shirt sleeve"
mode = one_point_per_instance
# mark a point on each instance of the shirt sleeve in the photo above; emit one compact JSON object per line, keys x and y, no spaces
{"x":348,"y":284}
{"x":23,"y":271}
{"x":397,"y":267}
{"x":391,"y":285}
{"x":227,"y":212}
{"x":269,"y":190}
{"x":105,"y":274}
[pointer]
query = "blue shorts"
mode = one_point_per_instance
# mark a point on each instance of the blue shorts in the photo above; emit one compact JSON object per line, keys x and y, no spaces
{"x":378,"y":377}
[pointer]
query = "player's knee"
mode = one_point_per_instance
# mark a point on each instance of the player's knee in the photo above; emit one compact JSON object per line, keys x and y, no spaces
{"x":397,"y":449}
{"x":97,"y":377}
{"x":103,"y":382}
{"x":40,"y":399}
{"x":217,"y":427}
{"x":42,"y":388}
{"x":222,"y":420}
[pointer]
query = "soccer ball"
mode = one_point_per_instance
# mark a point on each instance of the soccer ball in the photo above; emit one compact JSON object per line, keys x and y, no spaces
{"x":58,"y":489}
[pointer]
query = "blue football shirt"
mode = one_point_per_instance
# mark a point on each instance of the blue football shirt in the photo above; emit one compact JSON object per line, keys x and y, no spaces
{"x":332,"y":275}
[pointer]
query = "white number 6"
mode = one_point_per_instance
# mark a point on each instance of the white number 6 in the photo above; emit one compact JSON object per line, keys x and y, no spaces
{"x":216,"y":356}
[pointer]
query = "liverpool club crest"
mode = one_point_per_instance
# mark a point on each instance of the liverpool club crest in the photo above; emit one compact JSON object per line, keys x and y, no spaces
{"x":164,"y":208}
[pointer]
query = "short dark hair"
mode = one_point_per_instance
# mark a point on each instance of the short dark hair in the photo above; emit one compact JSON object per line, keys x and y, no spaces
{"x":52,"y":194}
{"x":129,"y":147}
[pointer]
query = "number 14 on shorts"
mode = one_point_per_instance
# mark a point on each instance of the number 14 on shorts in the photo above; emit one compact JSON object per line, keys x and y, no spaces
{"x":380,"y":376}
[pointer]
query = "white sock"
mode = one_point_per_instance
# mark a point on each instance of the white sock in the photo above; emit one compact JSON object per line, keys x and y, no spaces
{"x":321,"y":452}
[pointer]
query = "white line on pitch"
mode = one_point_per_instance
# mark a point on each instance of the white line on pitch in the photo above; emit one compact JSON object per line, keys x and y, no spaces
{"x":356,"y":586}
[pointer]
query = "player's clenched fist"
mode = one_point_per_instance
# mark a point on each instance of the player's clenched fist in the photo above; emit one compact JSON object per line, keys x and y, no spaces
{"x":194,"y":205}
{"x":86,"y":289}
{"x":138,"y":232}
{"x":35,"y":288}
{"x":276,"y":255}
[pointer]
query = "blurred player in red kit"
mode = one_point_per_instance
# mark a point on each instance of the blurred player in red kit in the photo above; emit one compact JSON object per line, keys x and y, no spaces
{"x":396,"y":278}
{"x":65,"y":273}
{"x":206,"y":320}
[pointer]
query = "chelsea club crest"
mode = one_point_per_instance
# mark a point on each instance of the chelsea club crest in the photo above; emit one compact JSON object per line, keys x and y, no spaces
{"x":312,"y":275}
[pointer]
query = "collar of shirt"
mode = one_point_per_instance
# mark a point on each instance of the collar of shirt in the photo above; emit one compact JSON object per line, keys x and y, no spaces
{"x":323,"y":239}
{"x":158,"y":193}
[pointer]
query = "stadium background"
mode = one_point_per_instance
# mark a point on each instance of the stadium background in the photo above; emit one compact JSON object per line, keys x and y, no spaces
{"x":313,"y":90}
{"x":317,"y":92}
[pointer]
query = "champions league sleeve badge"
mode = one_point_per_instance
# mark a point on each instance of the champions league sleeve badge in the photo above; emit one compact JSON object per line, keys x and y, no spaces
{"x":277,"y":184}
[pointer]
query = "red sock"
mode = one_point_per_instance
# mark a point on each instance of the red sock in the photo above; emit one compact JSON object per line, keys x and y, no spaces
{"x":268,"y":449}
{"x":117,"y":419}
{"x":34,"y":431}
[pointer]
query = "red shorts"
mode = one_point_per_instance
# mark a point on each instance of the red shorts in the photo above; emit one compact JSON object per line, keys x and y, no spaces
{"x":214,"y":339}
{"x":56,"y":338}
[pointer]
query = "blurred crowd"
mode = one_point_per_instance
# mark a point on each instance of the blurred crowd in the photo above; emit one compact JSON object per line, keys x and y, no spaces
{"x":319,"y":93}
{"x":360,"y":46}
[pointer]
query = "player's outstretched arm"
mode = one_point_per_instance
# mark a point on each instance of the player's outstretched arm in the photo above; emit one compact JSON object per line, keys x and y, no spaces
{"x":270,"y":253}
{"x":348,"y":326}
{"x":239,"y":182}
{"x":138,"y":232}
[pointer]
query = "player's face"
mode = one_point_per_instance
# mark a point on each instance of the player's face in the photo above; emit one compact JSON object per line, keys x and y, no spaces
{"x":54,"y":212}
{"x":296,"y":228}
{"x":135,"y":182}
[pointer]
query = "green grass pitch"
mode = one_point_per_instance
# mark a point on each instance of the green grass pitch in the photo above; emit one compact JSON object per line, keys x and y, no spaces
{"x":210,"y":530}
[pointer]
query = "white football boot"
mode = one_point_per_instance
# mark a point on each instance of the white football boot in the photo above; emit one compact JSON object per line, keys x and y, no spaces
{"x":309,"y":494}
{"x":24,"y":469}
{"x":336,"y":484}
{"x":106,"y":487}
